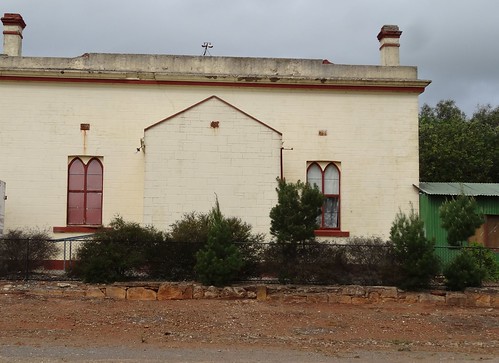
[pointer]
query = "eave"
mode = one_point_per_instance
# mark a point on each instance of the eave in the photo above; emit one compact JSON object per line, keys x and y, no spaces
{"x":211,"y":71}
{"x":216,"y":80}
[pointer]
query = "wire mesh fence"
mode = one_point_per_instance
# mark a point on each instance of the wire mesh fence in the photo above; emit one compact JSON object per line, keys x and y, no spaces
{"x":36,"y":258}
{"x":310,"y":263}
{"x":447,"y":253}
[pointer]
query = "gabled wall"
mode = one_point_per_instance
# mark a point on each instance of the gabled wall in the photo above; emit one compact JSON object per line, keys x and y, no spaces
{"x":211,"y":150}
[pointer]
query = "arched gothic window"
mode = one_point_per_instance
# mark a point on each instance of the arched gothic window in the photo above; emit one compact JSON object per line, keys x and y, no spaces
{"x":327,"y":179}
{"x":85,"y":192}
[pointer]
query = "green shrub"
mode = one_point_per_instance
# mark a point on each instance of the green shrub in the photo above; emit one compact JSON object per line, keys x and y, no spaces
{"x":20,"y":246}
{"x":464,"y":271}
{"x":414,"y":253}
{"x":486,"y":259}
{"x":219,"y":261}
{"x":172,"y":260}
{"x":175,"y":258}
{"x":192,"y":228}
{"x":187,"y":236}
{"x":305,"y":262}
{"x":117,"y":253}
{"x":361,"y":260}
{"x":370,"y":261}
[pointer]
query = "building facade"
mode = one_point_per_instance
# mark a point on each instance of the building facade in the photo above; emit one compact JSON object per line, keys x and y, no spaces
{"x":151,"y":137}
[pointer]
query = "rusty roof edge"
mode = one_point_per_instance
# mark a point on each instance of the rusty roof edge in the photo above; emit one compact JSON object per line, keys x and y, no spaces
{"x":470,"y":189}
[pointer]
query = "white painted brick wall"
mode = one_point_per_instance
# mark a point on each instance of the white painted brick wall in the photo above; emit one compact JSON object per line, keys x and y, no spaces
{"x":373,"y":135}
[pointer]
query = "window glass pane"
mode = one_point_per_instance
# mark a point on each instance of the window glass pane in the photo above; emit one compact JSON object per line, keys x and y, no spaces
{"x":94,"y":200}
{"x":331,"y":180}
{"x":94,"y":208}
{"x":94,"y":175}
{"x":94,"y":182}
{"x":76,"y":167}
{"x":76,"y":182}
{"x":76,"y":179}
{"x":314,"y":176}
{"x":331,"y":212}
{"x":94,"y":167}
{"x":76,"y":210}
{"x":318,"y":221}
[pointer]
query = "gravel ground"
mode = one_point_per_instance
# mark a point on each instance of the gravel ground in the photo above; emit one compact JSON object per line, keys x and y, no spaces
{"x":237,"y":355}
{"x":52,"y":329}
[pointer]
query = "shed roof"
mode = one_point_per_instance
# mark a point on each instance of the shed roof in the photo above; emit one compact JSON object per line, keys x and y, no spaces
{"x":471,"y":189}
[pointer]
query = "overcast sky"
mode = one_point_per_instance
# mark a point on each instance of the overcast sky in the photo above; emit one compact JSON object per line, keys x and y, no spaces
{"x":454,"y":43}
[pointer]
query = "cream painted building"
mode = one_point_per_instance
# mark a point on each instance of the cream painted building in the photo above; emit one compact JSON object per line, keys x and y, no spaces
{"x":150,"y":137}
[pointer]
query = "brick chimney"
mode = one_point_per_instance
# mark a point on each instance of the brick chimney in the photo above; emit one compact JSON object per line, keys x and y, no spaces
{"x":13,"y":25}
{"x":389,"y":43}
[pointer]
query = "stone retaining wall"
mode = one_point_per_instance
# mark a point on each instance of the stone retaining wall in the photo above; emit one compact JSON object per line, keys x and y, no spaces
{"x":352,"y":294}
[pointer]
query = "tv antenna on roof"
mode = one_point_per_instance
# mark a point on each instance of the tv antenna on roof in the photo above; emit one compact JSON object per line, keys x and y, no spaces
{"x":207,"y":45}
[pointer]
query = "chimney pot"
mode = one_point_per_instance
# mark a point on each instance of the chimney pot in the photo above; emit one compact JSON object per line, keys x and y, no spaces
{"x":389,"y":41}
{"x":13,"y":25}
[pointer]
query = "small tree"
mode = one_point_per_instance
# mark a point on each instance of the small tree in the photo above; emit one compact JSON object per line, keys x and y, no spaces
{"x":414,"y":253}
{"x":294,"y":218}
{"x":219,"y":262}
{"x":293,"y":221}
{"x":460,"y":218}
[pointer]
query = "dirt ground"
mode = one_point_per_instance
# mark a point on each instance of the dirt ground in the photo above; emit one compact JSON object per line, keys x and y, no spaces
{"x":52,"y":329}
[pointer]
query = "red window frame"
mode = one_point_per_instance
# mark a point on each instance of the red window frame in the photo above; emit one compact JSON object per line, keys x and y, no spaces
{"x":328,"y":196}
{"x":85,"y":192}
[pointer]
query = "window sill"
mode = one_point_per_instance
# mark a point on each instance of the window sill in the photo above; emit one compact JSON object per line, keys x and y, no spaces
{"x":76,"y":229}
{"x":331,"y":233}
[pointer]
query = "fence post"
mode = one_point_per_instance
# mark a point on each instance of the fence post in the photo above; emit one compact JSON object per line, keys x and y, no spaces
{"x":64,"y":258}
{"x":26,"y":262}
{"x":481,"y":256}
{"x":70,"y":257}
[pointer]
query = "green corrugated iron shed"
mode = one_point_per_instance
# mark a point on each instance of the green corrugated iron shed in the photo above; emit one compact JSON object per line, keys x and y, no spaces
{"x":432,"y":195}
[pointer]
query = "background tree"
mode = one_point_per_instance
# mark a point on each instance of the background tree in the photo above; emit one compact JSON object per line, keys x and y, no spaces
{"x":489,"y":117}
{"x":453,"y":148}
{"x":460,"y":217}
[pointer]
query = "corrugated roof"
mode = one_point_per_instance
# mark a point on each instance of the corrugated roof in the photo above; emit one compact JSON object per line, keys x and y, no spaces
{"x":471,"y":189}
